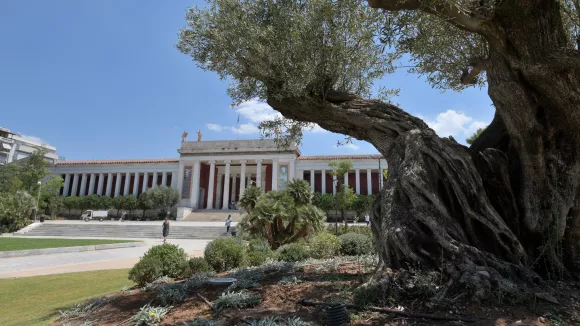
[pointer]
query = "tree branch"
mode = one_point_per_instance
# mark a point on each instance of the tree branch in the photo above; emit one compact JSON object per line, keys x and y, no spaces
{"x":469,"y":77}
{"x":363,"y":119}
{"x":441,"y":9}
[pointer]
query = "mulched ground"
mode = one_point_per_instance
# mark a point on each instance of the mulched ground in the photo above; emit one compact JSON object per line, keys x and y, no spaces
{"x":281,"y":300}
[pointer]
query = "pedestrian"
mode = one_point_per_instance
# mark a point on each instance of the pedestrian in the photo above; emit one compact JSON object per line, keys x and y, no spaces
{"x":367,"y":219}
{"x":165,"y":229}
{"x":228,"y":223}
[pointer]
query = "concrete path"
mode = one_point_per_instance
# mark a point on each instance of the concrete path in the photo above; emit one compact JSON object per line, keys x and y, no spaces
{"x":88,"y":261}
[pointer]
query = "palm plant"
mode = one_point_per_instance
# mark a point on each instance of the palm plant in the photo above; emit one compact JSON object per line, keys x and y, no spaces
{"x":300,"y":191}
{"x":250,"y":198}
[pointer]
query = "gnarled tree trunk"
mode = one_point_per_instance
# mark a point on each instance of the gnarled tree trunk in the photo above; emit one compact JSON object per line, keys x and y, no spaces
{"x":503,"y":210}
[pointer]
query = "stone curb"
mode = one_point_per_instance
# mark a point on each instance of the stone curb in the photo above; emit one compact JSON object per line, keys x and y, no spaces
{"x":48,"y":251}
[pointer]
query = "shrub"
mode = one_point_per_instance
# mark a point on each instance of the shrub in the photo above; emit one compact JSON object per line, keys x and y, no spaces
{"x":199,"y":265}
{"x":171,"y":293}
{"x":147,"y":270}
{"x":148,"y":315}
{"x":260,"y":245}
{"x":172,"y":258}
{"x":237,"y":300}
{"x":354,"y":244}
{"x":292,"y":252}
{"x":278,"y":321}
{"x":351,"y":229}
{"x":225,"y":254}
{"x":324,"y":245}
{"x":256,"y":258}
{"x":198,"y":280}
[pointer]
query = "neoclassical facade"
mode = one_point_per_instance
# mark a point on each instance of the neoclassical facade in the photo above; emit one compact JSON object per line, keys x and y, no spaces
{"x":211,"y":174}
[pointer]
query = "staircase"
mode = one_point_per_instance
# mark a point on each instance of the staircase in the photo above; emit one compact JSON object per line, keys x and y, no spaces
{"x":126,"y":230}
{"x":214,"y":215}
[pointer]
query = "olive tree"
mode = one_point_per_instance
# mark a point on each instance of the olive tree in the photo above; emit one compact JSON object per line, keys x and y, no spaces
{"x":507,"y":204}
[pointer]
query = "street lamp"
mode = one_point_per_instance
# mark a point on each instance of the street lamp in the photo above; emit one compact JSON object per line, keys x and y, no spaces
{"x":335,"y":183}
{"x":37,"y":200}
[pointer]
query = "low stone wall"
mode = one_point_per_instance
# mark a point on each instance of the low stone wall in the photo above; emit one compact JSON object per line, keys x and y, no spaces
{"x":48,"y":251}
{"x":75,"y":214}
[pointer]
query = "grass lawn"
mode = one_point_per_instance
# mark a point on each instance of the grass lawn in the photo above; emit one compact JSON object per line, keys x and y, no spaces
{"x":36,"y":300}
{"x":9,"y":244}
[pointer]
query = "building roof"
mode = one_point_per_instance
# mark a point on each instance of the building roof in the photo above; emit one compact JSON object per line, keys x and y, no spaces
{"x":137,"y":161}
{"x":176,"y":160}
{"x":341,"y":157}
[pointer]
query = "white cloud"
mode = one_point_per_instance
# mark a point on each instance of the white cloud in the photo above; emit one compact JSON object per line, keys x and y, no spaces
{"x":214,"y":127}
{"x":245,"y":128}
{"x":351,"y":146}
{"x":453,"y":123}
{"x":256,"y":111}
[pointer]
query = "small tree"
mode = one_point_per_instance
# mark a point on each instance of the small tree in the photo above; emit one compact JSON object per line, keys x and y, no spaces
{"x":22,"y":205}
{"x":119,"y":203}
{"x":164,"y":198}
{"x":105,"y":202}
{"x":71,"y":202}
{"x":324,"y":201}
{"x":362,"y":204}
{"x":345,"y":198}
{"x":131,"y":203}
{"x":55,"y":205}
{"x":146,"y":202}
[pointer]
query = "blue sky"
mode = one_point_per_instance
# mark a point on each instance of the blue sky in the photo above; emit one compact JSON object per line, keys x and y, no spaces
{"x":101,"y":79}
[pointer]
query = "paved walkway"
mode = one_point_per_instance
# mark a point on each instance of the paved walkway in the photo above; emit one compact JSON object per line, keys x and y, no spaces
{"x":88,"y":260}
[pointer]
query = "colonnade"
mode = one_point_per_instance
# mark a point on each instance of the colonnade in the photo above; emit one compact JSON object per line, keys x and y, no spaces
{"x":112,"y":187}
{"x":357,"y":172}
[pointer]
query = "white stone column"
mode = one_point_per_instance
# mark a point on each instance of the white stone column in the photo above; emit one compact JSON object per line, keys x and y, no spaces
{"x":179,"y":179}
{"x":127,"y":184}
{"x":292,"y":168}
{"x":118,"y":185}
{"x":275,"y":174}
{"x":145,"y":181}
{"x":91,"y":184}
{"x":109,"y":184}
{"x":357,"y":176}
{"x":164,"y":179}
{"x":312,"y":180}
{"x":66,"y":185}
{"x":136,"y":185}
{"x":154,"y":183}
{"x":259,"y":173}
{"x":369,"y":182}
{"x":74,"y":185}
{"x":195,"y":191}
{"x":100,"y":184}
{"x":83,"y":185}
{"x":233,"y":191}
{"x":210,"y":185}
{"x":248,"y":180}
{"x":242,"y":177}
{"x":174,"y":181}
{"x":226,"y":193}
{"x":334,"y":183}
{"x":323,"y":179}
{"x":300,"y":174}
{"x":380,"y":179}
{"x":346,"y":178}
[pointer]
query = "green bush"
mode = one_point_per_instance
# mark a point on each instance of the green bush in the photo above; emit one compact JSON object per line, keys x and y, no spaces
{"x":147,"y":270}
{"x":324,"y":245}
{"x":172,"y":258}
{"x":237,"y":300}
{"x":292,"y":252}
{"x":171,"y":293}
{"x":225,"y":254}
{"x":355,"y":244}
{"x":351,"y":229}
{"x":256,"y":258}
{"x":199,"y":265}
{"x":260,"y":245}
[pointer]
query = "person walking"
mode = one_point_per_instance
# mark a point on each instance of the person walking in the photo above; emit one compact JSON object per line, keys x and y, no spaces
{"x":367,"y":219}
{"x":165,"y":229}
{"x":228,"y":223}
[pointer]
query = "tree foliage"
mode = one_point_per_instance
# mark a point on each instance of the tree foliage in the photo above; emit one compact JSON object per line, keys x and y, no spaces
{"x":164,"y":198}
{"x":250,"y":198}
{"x":345,"y":199}
{"x":15,"y":209}
{"x":324,"y":201}
{"x":473,"y":137}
